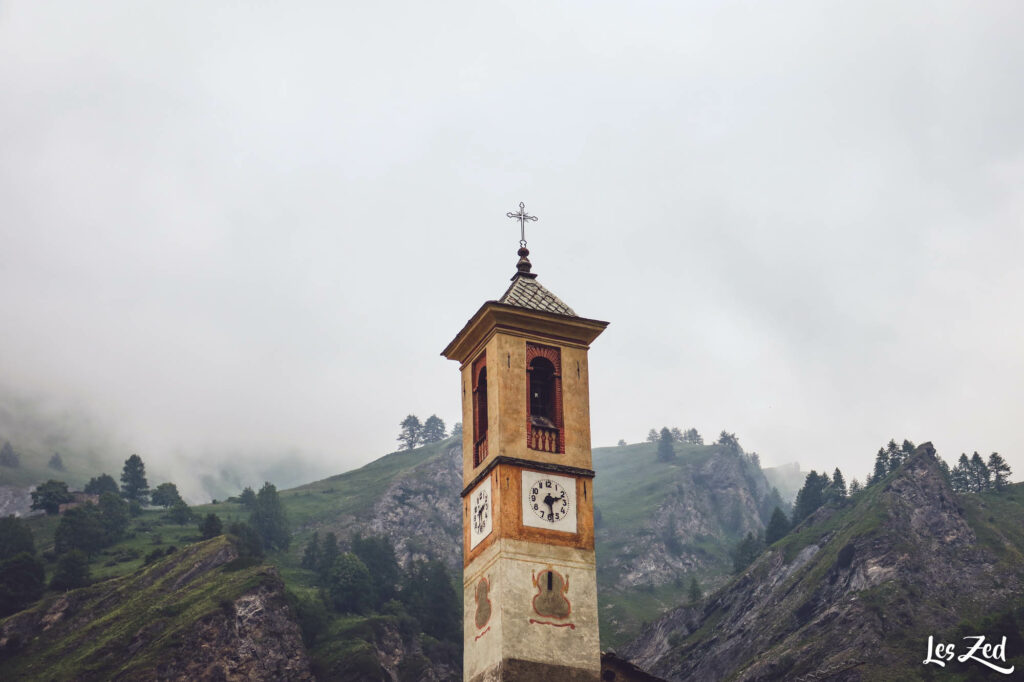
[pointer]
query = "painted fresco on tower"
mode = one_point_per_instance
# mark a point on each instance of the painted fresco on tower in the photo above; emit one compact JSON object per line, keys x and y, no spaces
{"x":483,"y":602}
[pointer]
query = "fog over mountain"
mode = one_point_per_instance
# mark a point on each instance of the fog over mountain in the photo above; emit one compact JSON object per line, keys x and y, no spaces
{"x":244,"y":232}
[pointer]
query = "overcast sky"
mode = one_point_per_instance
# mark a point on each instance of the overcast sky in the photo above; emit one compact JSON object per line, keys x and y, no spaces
{"x":245,"y":227}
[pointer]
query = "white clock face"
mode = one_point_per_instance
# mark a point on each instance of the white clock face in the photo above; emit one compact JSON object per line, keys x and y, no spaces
{"x":480,"y":513}
{"x":549,"y":501}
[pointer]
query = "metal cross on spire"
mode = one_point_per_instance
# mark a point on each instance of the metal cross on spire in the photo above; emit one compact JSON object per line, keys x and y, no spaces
{"x":522,"y":217}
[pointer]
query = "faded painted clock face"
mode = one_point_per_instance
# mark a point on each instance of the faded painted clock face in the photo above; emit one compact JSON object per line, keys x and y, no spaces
{"x":549,"y":501}
{"x":480,"y":513}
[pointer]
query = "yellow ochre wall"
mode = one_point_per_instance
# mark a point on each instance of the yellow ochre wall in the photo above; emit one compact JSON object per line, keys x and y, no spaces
{"x":506,"y":403}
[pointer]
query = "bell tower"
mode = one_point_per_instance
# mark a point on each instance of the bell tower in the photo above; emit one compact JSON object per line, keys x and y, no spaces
{"x":529,"y":580}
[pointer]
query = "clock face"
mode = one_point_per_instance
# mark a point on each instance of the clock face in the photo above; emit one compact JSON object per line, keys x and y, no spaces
{"x":549,"y":501}
{"x":480,"y":513}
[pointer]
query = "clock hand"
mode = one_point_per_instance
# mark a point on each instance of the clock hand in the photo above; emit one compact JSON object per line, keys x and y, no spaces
{"x":550,"y":501}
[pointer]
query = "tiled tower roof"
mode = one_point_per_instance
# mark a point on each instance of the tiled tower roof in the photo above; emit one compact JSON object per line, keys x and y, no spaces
{"x":526,"y":292}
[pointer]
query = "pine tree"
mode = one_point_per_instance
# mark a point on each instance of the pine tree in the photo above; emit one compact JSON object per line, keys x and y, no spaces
{"x":210,"y":526}
{"x":311,"y":557}
{"x":694,"y":591}
{"x":22,"y":581}
{"x":894,"y":454}
{"x":268,"y":519}
{"x":881,"y":466}
{"x":114,"y":517}
{"x":80,"y":528}
{"x":430,"y":598}
{"x":15,"y":537}
{"x":854,"y":488}
{"x":777,"y":527}
{"x":999,"y":469}
{"x":666,"y":453}
{"x":810,"y":497}
{"x":433,"y":430}
{"x":56,"y":463}
{"x":8,"y":457}
{"x":980,"y":475}
{"x":944,"y":468}
{"x":72,"y":571}
{"x":104,"y":483}
{"x":677,"y":435}
{"x":652,"y":436}
{"x":379,"y":556}
{"x":960,"y":476}
{"x":746,"y":552}
{"x":411,"y":431}
{"x":766,"y":507}
{"x":248,"y":498}
{"x":328,"y":553}
{"x":839,"y":483}
{"x":134,"y":487}
{"x":729,"y":441}
{"x":246,"y":540}
{"x":692,"y":437}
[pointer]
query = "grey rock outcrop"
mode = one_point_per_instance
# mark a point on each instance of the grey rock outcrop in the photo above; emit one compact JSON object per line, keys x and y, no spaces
{"x":850,"y":595}
{"x":420,"y":511}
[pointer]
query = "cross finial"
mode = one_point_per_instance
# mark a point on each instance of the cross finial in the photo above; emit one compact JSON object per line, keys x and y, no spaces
{"x":522,"y":217}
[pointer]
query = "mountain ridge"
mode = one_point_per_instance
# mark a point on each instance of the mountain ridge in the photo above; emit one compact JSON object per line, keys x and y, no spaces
{"x":852,"y":593}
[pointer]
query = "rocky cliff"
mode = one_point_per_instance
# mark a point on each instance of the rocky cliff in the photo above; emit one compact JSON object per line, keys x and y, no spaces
{"x":661,"y":523}
{"x":200,"y":613}
{"x":411,"y":497}
{"x":16,"y":500}
{"x":421,"y":510}
{"x":664,"y":524}
{"x":854,"y":592}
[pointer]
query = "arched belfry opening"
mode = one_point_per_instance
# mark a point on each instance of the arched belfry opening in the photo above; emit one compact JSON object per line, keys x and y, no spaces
{"x":480,"y":410}
{"x":542,"y":392}
{"x":544,"y":429}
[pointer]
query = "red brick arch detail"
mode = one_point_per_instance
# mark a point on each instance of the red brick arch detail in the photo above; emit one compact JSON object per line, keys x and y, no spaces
{"x":479,"y":425}
{"x":554,"y":356}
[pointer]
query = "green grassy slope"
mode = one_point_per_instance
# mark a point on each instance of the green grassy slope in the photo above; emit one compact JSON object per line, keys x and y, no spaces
{"x":352,"y":494}
{"x":106,"y":618}
{"x":340,"y":504}
{"x":33,"y":469}
{"x":146,"y":533}
{"x":630,"y":485}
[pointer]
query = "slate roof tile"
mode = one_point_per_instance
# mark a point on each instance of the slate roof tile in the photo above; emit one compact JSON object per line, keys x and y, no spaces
{"x":527,"y":292}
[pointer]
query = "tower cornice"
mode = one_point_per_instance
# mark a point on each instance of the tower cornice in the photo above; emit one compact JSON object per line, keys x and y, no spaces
{"x":493,"y":315}
{"x":579,"y":472}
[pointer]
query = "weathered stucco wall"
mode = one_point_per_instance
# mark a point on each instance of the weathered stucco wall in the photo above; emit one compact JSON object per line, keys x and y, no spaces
{"x":526,"y":621}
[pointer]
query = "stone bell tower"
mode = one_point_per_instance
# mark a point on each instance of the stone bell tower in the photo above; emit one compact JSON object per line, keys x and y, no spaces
{"x":530,"y":584}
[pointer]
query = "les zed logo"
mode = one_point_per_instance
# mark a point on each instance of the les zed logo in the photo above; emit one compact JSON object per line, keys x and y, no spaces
{"x":982,"y":652}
